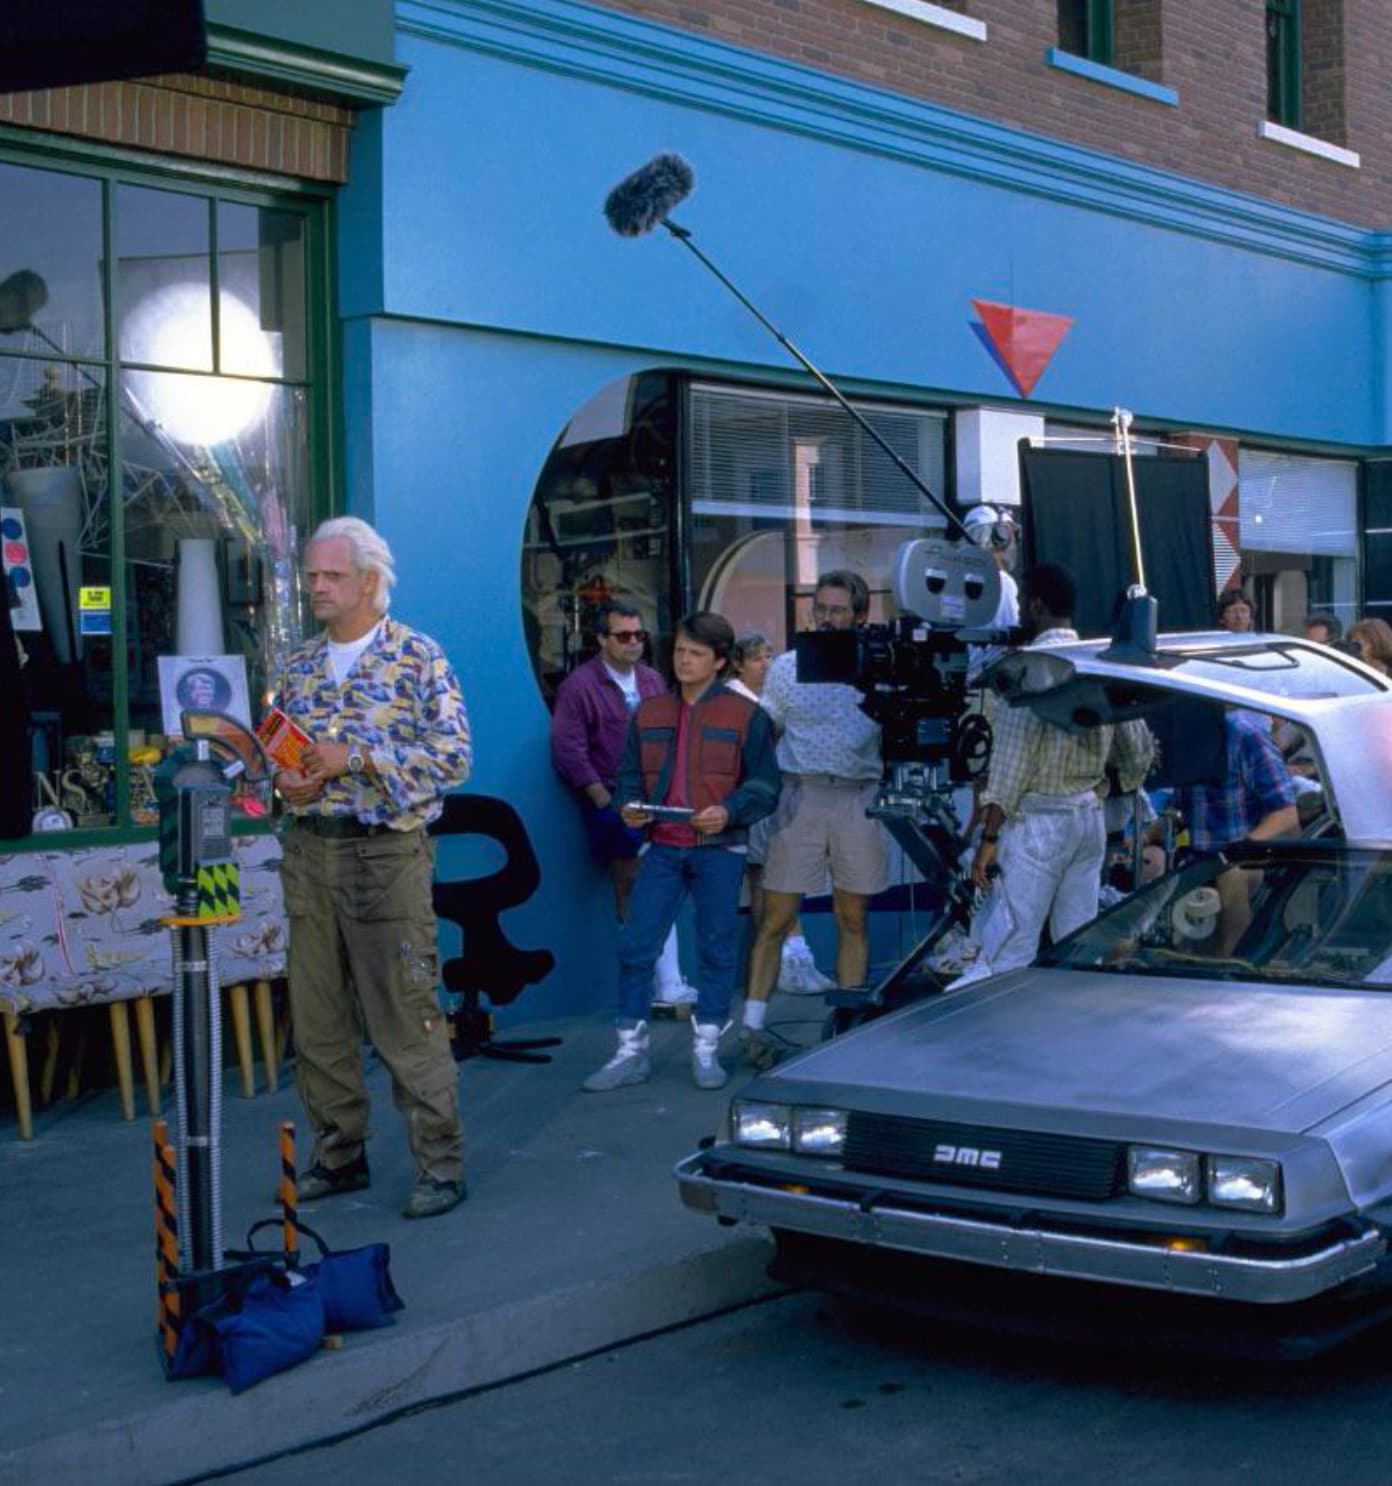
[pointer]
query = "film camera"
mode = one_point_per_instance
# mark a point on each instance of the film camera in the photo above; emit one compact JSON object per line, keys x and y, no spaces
{"x":913,"y":674}
{"x":913,"y":671}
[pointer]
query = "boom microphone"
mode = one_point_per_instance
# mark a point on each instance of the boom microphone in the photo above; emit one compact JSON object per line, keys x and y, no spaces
{"x":646,"y":199}
{"x":643,"y":200}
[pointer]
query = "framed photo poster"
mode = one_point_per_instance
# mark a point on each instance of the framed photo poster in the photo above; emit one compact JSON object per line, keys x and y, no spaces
{"x":203,"y":683}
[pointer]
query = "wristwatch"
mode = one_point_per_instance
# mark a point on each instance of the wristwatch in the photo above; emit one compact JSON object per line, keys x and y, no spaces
{"x":356,"y":762}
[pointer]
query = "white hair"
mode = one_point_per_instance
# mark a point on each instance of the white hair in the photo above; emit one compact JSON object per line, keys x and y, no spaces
{"x":370,"y":553}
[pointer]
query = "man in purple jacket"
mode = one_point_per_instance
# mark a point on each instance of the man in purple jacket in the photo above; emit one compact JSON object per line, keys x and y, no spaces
{"x":588,"y":729}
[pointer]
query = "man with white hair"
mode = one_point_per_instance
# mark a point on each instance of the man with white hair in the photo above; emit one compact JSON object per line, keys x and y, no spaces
{"x":390,"y":737}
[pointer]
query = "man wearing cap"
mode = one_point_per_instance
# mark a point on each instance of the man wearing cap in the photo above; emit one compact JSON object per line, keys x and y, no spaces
{"x":993,"y":528}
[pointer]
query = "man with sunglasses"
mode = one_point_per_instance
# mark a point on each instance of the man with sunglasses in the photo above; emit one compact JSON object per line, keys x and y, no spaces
{"x":588,"y":728}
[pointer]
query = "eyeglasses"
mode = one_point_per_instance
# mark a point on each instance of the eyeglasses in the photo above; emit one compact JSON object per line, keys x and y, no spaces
{"x":628,"y":636}
{"x":830,"y":611}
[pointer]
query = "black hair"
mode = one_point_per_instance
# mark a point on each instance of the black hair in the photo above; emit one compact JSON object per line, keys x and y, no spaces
{"x":854,"y":585}
{"x":708,"y":628}
{"x":614,"y":606}
{"x":1055,"y":588}
{"x":1228,"y":599}
{"x":1330,"y":621}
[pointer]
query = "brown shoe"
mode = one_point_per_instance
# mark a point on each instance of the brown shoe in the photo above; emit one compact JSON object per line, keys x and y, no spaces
{"x":333,"y":1181}
{"x":431,"y":1197}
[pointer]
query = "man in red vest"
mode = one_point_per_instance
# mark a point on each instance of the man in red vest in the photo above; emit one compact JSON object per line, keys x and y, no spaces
{"x":699,"y":769}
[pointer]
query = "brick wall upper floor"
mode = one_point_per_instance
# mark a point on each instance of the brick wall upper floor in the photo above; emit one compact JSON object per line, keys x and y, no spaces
{"x":1211,"y":53}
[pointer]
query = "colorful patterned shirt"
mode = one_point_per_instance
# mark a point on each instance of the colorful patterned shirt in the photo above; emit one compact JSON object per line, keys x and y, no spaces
{"x":401,"y":705}
{"x":1031,"y":756}
{"x":1256,"y":785}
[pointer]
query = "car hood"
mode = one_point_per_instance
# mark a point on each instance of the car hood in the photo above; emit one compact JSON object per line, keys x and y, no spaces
{"x":1277,"y":1058}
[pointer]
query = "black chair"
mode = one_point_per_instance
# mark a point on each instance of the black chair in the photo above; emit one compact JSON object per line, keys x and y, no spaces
{"x":489,"y":963}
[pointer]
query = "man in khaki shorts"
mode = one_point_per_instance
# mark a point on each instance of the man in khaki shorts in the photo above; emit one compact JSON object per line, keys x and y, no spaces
{"x":829,"y":752}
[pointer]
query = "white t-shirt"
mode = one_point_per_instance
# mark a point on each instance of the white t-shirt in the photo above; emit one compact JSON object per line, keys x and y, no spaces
{"x":342,"y":658}
{"x":627,"y":683}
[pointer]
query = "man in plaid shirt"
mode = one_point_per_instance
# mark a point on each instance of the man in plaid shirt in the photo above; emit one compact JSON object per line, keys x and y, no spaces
{"x":1042,"y":804}
{"x":1256,"y":800}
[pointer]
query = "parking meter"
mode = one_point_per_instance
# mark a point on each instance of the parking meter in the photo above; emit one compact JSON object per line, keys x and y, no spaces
{"x":193,"y":787}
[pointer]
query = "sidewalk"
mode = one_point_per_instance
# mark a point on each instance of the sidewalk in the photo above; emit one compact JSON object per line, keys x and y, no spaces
{"x":572,"y":1239}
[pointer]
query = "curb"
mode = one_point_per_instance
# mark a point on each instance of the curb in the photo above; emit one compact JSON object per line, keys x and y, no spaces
{"x":340,"y":1393}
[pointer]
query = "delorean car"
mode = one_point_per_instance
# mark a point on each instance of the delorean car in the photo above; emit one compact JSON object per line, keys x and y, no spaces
{"x":1192,"y":1094}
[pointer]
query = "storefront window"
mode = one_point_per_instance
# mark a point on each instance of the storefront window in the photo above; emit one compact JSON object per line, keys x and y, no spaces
{"x":158,"y":555}
{"x":602,"y":525}
{"x":1299,"y":536}
{"x":770,"y":490}
{"x":783,"y":488}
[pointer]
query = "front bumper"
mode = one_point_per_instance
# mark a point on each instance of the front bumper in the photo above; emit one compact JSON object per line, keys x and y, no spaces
{"x":873,"y":1219}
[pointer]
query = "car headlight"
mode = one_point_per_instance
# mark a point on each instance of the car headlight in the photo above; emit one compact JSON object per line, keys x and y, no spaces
{"x":1163,"y":1176}
{"x":766,"y":1125}
{"x":1246,"y":1182}
{"x":819,"y":1132}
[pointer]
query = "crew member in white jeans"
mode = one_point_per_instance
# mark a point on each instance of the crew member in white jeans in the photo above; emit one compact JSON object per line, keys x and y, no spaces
{"x":1042,"y":804}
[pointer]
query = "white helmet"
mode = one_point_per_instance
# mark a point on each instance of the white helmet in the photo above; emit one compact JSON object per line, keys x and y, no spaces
{"x":989,"y":526}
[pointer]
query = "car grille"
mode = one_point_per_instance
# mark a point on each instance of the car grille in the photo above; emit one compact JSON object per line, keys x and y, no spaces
{"x":979,"y":1156}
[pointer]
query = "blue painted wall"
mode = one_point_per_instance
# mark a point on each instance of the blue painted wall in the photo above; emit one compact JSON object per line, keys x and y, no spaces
{"x":485,"y":299}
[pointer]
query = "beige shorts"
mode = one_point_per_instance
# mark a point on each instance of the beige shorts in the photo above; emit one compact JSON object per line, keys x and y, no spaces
{"x":820,"y":829}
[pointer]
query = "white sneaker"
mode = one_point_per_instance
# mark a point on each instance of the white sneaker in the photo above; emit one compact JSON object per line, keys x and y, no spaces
{"x":706,"y":1071}
{"x":628,"y":1066}
{"x":676,"y":993}
{"x":798,"y":974}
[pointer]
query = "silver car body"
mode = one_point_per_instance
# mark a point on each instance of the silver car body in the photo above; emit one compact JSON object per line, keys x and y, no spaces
{"x":1045,"y":1070}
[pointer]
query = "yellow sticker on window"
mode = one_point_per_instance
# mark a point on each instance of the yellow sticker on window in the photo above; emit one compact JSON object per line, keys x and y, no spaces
{"x":93,"y":598}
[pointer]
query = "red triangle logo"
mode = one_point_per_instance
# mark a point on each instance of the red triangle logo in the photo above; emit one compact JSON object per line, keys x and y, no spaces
{"x":1023,"y":341}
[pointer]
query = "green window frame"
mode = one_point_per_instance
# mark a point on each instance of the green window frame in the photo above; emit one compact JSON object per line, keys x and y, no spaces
{"x":1283,"y":30}
{"x":1087,"y":28}
{"x":97,"y":371}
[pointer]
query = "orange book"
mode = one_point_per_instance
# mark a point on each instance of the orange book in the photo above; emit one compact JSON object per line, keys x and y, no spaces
{"x":285,"y":741}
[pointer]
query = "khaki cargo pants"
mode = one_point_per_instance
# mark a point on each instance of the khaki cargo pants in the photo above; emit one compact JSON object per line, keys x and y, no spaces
{"x":364,"y":959}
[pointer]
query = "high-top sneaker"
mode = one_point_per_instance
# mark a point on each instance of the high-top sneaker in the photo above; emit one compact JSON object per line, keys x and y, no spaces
{"x":798,"y":974}
{"x":706,"y":1071}
{"x":628,"y":1066}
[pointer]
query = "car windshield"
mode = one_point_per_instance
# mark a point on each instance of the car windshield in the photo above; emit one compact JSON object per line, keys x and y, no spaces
{"x":1315,"y":916}
{"x":1282,"y":670}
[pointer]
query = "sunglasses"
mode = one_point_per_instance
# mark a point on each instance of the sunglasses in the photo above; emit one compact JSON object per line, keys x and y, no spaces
{"x":628,"y":636}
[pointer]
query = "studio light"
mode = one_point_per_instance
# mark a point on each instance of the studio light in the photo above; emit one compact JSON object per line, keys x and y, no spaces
{"x":170,"y":327}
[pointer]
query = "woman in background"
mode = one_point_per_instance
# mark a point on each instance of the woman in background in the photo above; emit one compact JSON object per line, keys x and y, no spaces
{"x":1374,"y":640}
{"x":797,"y":973}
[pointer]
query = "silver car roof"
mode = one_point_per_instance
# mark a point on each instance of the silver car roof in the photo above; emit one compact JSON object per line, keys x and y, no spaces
{"x":1344,"y":705}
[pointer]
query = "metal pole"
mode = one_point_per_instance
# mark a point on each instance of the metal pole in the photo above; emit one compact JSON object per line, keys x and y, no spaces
{"x":1121,"y":418}
{"x":196,"y":1134}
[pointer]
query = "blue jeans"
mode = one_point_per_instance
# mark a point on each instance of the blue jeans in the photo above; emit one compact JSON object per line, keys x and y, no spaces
{"x":712,"y":876}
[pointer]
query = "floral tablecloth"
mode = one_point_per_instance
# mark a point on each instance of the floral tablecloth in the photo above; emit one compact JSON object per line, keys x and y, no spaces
{"x":83,"y":927}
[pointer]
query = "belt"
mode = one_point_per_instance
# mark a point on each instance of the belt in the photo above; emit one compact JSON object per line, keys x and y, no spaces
{"x":837,"y":780}
{"x":337,"y":827}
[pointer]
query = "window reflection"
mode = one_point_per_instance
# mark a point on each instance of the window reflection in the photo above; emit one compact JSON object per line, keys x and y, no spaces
{"x":163,"y":278}
{"x":53,"y":229}
{"x":261,"y":265}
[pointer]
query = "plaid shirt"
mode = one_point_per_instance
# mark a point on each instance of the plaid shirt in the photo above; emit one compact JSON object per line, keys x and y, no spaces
{"x":1031,"y":756}
{"x":1256,"y":784}
{"x":402,"y":706}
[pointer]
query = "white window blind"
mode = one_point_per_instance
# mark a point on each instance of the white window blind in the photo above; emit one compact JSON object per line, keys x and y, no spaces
{"x":783,"y":457}
{"x":1298,"y":505}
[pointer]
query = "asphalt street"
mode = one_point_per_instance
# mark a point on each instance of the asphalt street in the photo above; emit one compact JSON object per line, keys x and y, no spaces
{"x":806,"y":1390}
